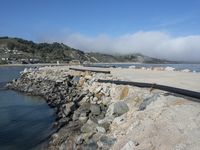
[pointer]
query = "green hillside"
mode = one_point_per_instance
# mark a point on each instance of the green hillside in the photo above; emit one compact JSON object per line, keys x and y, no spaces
{"x":17,"y":50}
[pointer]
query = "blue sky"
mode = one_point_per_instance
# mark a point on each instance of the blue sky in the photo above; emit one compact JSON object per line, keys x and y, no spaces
{"x":31,"y":18}
{"x":70,"y":21}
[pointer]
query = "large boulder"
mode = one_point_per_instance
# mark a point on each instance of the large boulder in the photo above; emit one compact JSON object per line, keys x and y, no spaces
{"x":95,"y":109}
{"x":106,"y":142}
{"x":89,"y":126}
{"x":117,"y":109}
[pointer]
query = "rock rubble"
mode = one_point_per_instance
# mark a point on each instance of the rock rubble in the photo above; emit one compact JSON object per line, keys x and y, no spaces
{"x":93,"y":115}
{"x":80,"y":104}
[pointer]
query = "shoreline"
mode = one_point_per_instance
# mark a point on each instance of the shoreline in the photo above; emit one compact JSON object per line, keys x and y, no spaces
{"x":98,"y":63}
{"x":142,"y":63}
{"x":34,"y":65}
{"x":154,"y":67}
{"x":91,"y":115}
{"x":65,"y":108}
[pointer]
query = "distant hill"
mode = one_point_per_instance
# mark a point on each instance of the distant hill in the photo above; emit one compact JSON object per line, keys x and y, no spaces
{"x":139,"y":58}
{"x":17,"y":50}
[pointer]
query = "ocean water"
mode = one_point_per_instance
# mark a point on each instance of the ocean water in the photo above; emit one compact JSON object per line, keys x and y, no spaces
{"x":25,"y":121}
{"x":178,"y":67}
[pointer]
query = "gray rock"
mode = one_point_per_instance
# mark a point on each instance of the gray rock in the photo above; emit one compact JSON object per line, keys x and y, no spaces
{"x":54,"y":138}
{"x":89,"y":126}
{"x":84,"y":137}
{"x":130,"y":145}
{"x":83,"y":117}
{"x":148,"y":101}
{"x":106,"y":91}
{"x":64,"y":120}
{"x":95,"y":118}
{"x":79,"y":139}
{"x":99,"y":102}
{"x":95,"y":99}
{"x":84,"y":108}
{"x":117,"y":109}
{"x":83,"y":114}
{"x":103,"y":107}
{"x":98,"y":89}
{"x":106,"y":142}
{"x":106,"y":126}
{"x":95,"y":109}
{"x":107,"y":120}
{"x":59,"y":81}
{"x":75,"y":115}
{"x":106,"y":101}
{"x":119,"y":120}
{"x":68,"y":108}
{"x":92,"y":145}
{"x":97,"y":136}
{"x":101,"y":129}
{"x":91,"y":81}
{"x":75,"y":79}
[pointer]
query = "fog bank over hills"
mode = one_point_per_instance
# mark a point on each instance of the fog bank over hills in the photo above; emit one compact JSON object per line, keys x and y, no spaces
{"x":17,"y":50}
{"x":153,"y":43}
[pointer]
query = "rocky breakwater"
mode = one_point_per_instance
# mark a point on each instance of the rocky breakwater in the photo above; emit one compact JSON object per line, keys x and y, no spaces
{"x":93,"y":115}
{"x":84,"y":108}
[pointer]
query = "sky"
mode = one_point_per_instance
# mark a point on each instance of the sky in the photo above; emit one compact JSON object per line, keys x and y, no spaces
{"x":164,"y":29}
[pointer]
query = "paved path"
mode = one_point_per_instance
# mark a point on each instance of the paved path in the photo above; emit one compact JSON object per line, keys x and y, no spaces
{"x":185,"y":80}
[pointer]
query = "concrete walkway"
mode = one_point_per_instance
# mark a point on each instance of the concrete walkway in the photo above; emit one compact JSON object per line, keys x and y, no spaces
{"x":185,"y":80}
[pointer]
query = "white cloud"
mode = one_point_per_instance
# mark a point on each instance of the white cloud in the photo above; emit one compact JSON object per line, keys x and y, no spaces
{"x":152,"y":43}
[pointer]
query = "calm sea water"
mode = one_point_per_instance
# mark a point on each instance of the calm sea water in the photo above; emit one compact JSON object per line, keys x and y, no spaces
{"x":25,"y":121}
{"x":192,"y":67}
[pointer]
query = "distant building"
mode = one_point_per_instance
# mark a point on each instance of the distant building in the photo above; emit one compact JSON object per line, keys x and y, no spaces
{"x":4,"y":59}
{"x":34,"y":61}
{"x":74,"y":62}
